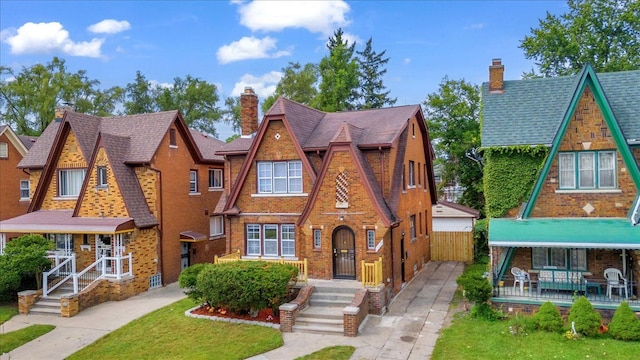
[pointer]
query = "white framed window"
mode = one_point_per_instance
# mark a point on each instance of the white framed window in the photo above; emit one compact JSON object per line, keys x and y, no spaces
{"x":70,"y":182}
{"x":587,"y":170}
{"x":567,"y":171}
{"x":24,"y":189}
{"x":4,"y":150}
{"x":371,"y":239}
{"x":216,"y":226}
{"x":288,"y":236}
{"x":412,"y":174}
{"x":317,"y":238}
{"x":270,"y":240}
{"x":215,"y":178}
{"x":607,"y":169}
{"x":253,"y":239}
{"x":280,"y":177}
{"x":101,"y":174}
{"x":193,"y":181}
{"x":173,"y":139}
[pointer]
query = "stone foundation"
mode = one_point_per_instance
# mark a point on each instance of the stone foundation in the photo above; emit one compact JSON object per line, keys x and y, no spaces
{"x":26,"y":299}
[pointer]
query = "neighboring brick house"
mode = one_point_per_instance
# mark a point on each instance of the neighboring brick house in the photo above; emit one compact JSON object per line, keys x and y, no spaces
{"x":14,"y":183}
{"x":582,"y":210}
{"x":142,"y":186}
{"x":333,"y":188}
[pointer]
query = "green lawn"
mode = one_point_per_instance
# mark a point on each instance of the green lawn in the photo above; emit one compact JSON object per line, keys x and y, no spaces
{"x":331,"y":353}
{"x":168,"y":334}
{"x":14,"y":339}
{"x":7,"y":311}
{"x":468,"y":338}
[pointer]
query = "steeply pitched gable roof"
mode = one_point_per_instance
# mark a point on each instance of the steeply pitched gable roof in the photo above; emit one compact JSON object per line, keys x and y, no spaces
{"x":20,"y":142}
{"x":529,"y":112}
{"x":586,"y":78}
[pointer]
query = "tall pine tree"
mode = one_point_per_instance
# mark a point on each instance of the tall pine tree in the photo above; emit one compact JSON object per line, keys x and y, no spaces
{"x":372,"y":69}
{"x":339,"y":72}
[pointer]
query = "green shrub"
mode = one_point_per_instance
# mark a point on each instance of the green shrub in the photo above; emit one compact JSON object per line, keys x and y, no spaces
{"x":476,"y":287}
{"x":480,"y":239}
{"x":189,"y":280}
{"x":246,"y":286}
{"x":624,"y":325}
{"x":548,"y":318}
{"x":521,"y":325}
{"x":587,"y":320}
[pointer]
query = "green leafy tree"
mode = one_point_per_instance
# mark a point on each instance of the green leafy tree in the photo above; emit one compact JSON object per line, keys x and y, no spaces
{"x":604,"y":33}
{"x":339,"y":72}
{"x":372,"y":70}
{"x":28,"y":98}
{"x":453,"y":119}
{"x":139,"y":96}
{"x":298,"y":83}
{"x":9,"y":281}
{"x":233,"y":113}
{"x":27,"y":255}
{"x":195,"y":98}
{"x":587,"y":320}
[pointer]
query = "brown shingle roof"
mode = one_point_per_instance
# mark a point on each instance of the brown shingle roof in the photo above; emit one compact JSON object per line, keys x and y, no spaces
{"x":37,"y":155}
{"x":208,"y":145}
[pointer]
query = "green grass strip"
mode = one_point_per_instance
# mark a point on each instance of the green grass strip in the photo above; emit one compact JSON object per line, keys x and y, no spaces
{"x":333,"y":353}
{"x":7,"y":311}
{"x":17,"y":338}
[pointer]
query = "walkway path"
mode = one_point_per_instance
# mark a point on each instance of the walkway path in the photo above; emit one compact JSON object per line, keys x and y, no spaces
{"x":408,"y":330}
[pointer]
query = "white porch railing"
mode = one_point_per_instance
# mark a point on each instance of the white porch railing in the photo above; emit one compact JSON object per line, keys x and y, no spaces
{"x":115,"y":267}
{"x":64,"y":266}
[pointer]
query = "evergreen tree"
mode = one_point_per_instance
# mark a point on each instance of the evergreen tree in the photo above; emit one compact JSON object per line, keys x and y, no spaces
{"x":372,"y":69}
{"x":339,"y":72}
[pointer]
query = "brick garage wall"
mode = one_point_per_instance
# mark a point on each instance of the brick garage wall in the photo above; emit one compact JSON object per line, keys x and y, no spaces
{"x":587,"y":125}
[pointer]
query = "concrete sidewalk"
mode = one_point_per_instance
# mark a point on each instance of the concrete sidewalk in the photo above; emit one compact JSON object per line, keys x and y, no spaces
{"x":72,"y":334}
{"x":408,"y":330}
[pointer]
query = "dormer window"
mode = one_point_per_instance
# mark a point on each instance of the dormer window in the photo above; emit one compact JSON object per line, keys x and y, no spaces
{"x":587,"y":170}
{"x":101,"y":174}
{"x":280,"y":177}
{"x":173,"y":141}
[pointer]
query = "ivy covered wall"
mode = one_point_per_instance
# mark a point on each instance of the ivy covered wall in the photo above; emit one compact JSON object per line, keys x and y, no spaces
{"x":509,"y":176}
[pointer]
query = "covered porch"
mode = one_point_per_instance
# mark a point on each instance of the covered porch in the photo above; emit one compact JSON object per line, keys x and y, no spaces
{"x":538,"y":260}
{"x":85,"y":249}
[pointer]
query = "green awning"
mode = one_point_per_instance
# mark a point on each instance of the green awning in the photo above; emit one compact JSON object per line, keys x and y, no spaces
{"x":593,"y":233}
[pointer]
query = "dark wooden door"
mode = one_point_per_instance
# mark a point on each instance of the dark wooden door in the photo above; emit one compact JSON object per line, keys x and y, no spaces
{"x":403,"y":257}
{"x":344,"y":254}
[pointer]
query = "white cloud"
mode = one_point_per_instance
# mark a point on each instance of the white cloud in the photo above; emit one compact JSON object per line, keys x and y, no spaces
{"x":477,"y":26}
{"x":249,"y":48}
{"x":264,"y":85}
{"x":109,"y":26}
{"x":315,"y":16}
{"x":407,"y":60}
{"x":162,"y":85}
{"x":43,"y":38}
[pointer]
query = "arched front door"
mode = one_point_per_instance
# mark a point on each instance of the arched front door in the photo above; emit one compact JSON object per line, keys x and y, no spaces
{"x":344,"y":253}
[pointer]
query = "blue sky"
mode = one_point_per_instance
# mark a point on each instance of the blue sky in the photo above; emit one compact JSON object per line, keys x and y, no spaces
{"x":234,"y":44}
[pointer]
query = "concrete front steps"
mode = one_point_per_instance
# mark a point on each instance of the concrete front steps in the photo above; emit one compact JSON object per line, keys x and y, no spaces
{"x":49,"y":305}
{"x":324,"y":314}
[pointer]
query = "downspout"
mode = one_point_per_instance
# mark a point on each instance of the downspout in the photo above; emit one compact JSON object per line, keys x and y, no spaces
{"x":161,"y":255}
{"x":382,"y":182}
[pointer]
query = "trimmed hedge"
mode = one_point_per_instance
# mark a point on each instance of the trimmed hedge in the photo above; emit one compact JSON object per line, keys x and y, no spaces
{"x":625,"y":325}
{"x":587,"y":320}
{"x":548,"y":318}
{"x":189,"y":280}
{"x":246,"y":286}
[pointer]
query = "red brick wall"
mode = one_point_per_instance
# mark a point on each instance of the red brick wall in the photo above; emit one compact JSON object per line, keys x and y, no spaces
{"x":586,"y":130}
{"x":10,"y":176}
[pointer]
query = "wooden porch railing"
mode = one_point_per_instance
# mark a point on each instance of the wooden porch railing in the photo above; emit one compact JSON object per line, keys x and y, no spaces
{"x":300,"y":264}
{"x":372,"y":273}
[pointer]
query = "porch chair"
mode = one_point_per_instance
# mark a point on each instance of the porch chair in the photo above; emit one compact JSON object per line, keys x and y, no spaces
{"x":615,"y":280}
{"x":520,"y":276}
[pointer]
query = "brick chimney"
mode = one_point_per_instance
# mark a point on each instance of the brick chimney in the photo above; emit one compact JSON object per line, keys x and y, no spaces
{"x":60,"y":110}
{"x":249,"y":112}
{"x":496,"y":77}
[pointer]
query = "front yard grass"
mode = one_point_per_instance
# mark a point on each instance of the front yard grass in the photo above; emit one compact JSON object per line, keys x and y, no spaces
{"x":168,"y":334}
{"x":469,"y":338}
{"x":332,"y":352}
{"x":14,"y":339}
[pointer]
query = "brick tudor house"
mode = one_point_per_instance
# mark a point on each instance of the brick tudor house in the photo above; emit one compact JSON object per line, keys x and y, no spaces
{"x":582,"y":211}
{"x":333,"y":188}
{"x":128,"y":200}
